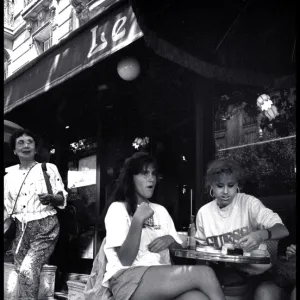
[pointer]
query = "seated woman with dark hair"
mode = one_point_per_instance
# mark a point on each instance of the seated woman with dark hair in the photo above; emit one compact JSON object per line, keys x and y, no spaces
{"x":139,"y":234}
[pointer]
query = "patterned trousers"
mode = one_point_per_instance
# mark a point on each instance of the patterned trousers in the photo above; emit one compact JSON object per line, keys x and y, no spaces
{"x":36,"y":247}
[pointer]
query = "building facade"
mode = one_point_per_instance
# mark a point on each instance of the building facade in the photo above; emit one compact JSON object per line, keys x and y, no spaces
{"x":31,"y":27}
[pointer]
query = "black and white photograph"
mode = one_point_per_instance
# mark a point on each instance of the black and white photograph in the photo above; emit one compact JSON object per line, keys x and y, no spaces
{"x":149,"y":150}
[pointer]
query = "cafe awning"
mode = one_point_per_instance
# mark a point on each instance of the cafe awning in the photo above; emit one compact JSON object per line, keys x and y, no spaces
{"x":92,"y":42}
{"x":225,"y":41}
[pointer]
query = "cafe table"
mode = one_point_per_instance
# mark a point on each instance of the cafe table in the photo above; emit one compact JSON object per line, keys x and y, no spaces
{"x":237,"y":292}
{"x":219,"y":257}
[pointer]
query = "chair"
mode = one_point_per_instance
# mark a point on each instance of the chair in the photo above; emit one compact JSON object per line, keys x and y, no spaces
{"x":93,"y":289}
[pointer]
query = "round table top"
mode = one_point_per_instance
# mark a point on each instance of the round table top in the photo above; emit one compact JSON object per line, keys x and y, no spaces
{"x":219,"y":257}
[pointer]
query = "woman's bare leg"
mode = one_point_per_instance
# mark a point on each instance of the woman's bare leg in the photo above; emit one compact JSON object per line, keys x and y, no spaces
{"x":192,"y":295}
{"x":269,"y":291}
{"x":169,"y":282}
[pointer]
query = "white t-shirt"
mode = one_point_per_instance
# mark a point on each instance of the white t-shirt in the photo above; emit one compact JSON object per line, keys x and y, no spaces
{"x":227,"y":225}
{"x":117,"y":224}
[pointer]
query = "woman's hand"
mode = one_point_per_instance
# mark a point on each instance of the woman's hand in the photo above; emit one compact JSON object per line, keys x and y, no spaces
{"x":143,"y":212}
{"x":46,"y":198}
{"x":290,"y":251}
{"x":251,"y":241}
{"x":55,"y":200}
{"x":161,"y":243}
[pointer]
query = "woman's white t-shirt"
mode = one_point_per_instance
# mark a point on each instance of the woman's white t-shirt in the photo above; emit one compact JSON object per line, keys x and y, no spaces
{"x":227,"y":225}
{"x":117,"y":224}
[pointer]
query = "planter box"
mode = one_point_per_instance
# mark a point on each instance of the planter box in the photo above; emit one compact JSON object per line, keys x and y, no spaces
{"x":47,"y":281}
{"x":75,"y":290}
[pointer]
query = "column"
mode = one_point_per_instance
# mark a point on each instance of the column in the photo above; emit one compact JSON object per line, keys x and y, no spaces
{"x":204,"y":139}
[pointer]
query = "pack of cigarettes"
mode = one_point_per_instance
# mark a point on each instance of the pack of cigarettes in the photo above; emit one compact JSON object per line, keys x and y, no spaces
{"x":230,"y":249}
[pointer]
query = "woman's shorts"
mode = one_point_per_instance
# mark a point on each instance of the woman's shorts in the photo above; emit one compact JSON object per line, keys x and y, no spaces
{"x":124,"y":283}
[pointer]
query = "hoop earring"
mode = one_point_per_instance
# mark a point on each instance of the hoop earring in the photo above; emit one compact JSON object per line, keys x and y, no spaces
{"x":211,"y":193}
{"x":238,"y":189}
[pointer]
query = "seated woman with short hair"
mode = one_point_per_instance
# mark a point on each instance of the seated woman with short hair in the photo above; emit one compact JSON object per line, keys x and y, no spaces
{"x":236,"y":218}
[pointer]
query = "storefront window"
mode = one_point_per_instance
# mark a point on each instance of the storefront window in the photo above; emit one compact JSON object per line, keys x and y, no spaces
{"x":81,"y":183}
{"x":261,"y":135}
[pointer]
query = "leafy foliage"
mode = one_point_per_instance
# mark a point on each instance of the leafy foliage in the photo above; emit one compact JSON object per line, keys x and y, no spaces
{"x":270,"y":165}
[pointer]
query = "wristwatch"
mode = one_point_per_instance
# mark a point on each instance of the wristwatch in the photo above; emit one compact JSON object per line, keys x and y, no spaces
{"x":269,"y":234}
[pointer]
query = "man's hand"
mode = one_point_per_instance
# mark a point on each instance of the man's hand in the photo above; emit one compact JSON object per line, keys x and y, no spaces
{"x":161,"y":243}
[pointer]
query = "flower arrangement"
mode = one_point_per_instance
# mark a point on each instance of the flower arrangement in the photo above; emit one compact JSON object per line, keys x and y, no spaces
{"x":139,"y":143}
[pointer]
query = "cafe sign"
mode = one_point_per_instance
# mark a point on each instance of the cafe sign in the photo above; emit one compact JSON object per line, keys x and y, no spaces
{"x":108,"y":37}
{"x":97,"y":39}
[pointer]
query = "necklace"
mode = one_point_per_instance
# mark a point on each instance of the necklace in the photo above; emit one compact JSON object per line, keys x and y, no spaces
{"x":27,"y":167}
{"x":226,"y":211}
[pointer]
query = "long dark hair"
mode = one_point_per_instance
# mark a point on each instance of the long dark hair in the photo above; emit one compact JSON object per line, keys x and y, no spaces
{"x":124,"y":188}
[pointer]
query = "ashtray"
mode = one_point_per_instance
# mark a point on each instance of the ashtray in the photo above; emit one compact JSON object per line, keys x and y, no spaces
{"x":230,"y":249}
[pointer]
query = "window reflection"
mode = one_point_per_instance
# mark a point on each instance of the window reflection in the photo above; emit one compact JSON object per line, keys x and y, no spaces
{"x":264,"y":146}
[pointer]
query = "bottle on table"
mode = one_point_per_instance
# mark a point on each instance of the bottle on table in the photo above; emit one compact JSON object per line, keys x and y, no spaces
{"x":191,"y":234}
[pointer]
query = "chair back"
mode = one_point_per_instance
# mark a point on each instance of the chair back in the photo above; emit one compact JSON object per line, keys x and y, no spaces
{"x":272,"y":247}
{"x":94,"y":290}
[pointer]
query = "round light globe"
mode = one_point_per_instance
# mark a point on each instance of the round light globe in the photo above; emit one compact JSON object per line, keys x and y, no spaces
{"x":128,"y":69}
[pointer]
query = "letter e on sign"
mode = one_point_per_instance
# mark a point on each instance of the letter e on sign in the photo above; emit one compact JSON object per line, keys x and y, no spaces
{"x":117,"y":31}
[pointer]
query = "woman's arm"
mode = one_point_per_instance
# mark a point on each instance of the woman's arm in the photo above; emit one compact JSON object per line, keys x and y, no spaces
{"x":60,"y":195}
{"x":163,"y":242}
{"x":268,"y":223}
{"x":129,"y":249}
{"x":278,"y":231}
{"x":254,"y":239}
{"x":7,"y":200}
{"x":175,"y":245}
{"x":58,"y":199}
{"x":55,"y":200}
{"x":171,"y":238}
